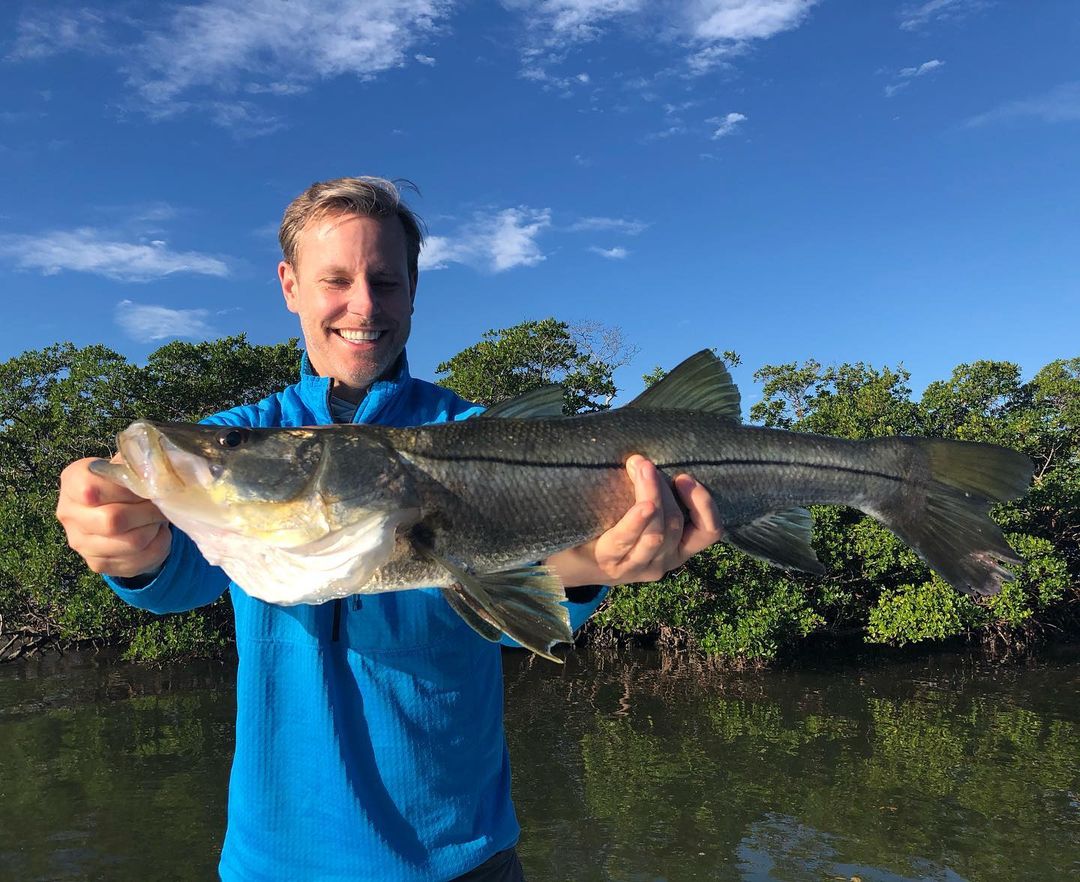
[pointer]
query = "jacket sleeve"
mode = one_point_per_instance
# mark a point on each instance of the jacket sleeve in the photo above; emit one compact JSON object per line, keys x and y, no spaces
{"x":186,"y":580}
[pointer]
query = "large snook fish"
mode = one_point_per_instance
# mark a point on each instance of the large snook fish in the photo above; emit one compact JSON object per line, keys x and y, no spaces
{"x":305,"y":515}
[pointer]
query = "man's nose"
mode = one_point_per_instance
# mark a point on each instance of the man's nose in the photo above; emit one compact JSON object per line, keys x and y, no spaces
{"x":363,"y":299}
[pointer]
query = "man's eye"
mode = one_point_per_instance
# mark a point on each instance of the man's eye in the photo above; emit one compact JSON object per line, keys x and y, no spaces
{"x":337,"y":283}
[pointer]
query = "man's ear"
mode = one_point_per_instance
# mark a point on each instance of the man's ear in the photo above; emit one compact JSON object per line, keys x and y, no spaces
{"x":287,"y":278}
{"x":412,"y":291}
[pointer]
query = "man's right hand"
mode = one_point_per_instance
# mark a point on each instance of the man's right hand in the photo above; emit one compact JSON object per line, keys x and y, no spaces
{"x":115,"y":531}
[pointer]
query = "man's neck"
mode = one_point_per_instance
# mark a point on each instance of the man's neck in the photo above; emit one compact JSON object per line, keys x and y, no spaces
{"x":347,"y":393}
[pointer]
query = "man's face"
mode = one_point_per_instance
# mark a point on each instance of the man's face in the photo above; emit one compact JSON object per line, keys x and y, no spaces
{"x":354,"y":296}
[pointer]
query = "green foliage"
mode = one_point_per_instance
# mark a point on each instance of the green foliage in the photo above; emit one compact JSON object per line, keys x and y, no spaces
{"x":192,"y":634}
{"x":723,"y":602}
{"x":511,"y":361}
{"x":874,"y":583}
{"x":63,"y":403}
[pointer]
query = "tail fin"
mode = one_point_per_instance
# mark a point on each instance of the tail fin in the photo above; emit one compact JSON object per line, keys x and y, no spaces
{"x":944,"y":516}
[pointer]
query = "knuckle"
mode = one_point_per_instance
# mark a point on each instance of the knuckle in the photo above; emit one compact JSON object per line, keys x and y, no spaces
{"x":113,"y":522}
{"x":653,"y":542}
{"x":86,"y":494}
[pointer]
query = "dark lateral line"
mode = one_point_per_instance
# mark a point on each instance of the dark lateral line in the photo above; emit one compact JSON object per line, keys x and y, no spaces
{"x":679,"y":464}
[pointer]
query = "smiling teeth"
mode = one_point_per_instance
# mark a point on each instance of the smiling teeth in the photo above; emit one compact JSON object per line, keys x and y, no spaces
{"x":359,"y":336}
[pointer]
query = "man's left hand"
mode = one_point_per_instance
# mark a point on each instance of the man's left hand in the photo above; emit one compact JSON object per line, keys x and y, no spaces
{"x":652,"y":538}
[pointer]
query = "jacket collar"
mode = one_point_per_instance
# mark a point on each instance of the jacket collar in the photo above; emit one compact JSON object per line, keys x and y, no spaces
{"x":315,"y":391}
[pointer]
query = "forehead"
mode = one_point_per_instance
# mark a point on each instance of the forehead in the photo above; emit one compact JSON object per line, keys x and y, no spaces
{"x":344,"y":238}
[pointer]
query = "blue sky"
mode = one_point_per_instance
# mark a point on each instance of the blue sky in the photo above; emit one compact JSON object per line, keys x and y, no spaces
{"x":888,"y":182}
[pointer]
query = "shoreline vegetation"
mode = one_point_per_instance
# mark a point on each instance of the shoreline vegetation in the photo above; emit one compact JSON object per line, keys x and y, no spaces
{"x":63,"y":402}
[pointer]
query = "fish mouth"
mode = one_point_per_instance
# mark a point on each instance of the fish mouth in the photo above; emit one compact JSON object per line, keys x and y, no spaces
{"x":158,"y":467}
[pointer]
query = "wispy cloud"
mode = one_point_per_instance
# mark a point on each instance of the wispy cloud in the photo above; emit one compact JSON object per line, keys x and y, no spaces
{"x":906,"y":74}
{"x":203,"y":53}
{"x":608,"y":224}
{"x":88,"y":250}
{"x":425,"y":59}
{"x":726,"y":125}
{"x":43,"y":35}
{"x":922,"y":69}
{"x":616,"y":253}
{"x":495,"y":242}
{"x":1060,"y":104}
{"x":918,"y":15}
{"x":572,"y":20}
{"x":709,"y":30}
{"x":720,"y":29}
{"x":147,"y":323}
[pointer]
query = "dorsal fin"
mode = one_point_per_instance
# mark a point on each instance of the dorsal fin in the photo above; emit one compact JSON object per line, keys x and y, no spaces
{"x":702,"y":383}
{"x":545,"y":401}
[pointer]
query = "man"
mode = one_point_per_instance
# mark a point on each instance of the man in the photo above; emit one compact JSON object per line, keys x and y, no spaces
{"x":369,"y":739}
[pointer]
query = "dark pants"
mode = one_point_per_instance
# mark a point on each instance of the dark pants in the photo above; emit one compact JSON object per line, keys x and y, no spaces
{"x":501,"y":867}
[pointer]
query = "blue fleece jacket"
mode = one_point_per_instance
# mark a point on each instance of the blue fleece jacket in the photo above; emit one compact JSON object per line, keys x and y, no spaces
{"x":369,"y":731}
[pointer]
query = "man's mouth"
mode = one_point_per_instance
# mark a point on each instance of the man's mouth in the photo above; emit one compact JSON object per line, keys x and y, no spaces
{"x":353,"y":336}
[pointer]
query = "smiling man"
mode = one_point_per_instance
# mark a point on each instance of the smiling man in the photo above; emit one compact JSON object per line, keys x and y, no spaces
{"x":369,"y":734}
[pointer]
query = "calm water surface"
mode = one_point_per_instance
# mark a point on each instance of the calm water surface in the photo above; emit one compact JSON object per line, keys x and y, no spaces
{"x":626,"y":768}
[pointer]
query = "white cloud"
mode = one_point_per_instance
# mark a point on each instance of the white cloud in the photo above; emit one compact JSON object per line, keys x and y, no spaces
{"x":723,"y":28}
{"x":425,"y":59}
{"x":616,"y":253}
{"x":494,"y":242}
{"x":608,"y":224}
{"x":711,"y":30}
{"x":287,"y":41}
{"x":88,"y":250}
{"x":738,"y":21}
{"x":146,"y":322}
{"x":906,"y":74}
{"x":726,"y":125}
{"x":202,"y":53}
{"x":918,"y":15}
{"x":922,"y":69}
{"x":43,"y":35}
{"x":1060,"y":104}
{"x":572,"y":19}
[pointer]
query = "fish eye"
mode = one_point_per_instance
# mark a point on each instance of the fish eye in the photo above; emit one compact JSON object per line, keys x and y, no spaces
{"x":232,"y":437}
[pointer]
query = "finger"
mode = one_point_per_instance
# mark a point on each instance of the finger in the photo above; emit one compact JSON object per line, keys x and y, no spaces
{"x":122,"y":545}
{"x":613,"y":546}
{"x":80,"y":486}
{"x":661,"y":534}
{"x":111,"y":556}
{"x":118,"y":518}
{"x":704,"y":527}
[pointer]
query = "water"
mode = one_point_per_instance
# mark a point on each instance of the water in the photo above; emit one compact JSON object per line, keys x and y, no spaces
{"x":626,"y":768}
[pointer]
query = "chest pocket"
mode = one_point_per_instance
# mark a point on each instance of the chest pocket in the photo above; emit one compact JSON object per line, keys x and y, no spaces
{"x":397,"y":621}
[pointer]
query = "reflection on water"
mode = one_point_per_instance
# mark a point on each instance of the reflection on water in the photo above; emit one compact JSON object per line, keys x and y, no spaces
{"x":625,"y":768}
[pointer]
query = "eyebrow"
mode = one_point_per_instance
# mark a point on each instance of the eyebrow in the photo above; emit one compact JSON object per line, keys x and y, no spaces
{"x":383,"y":272}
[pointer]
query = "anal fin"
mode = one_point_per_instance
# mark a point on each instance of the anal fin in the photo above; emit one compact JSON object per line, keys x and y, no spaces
{"x":781,"y":538}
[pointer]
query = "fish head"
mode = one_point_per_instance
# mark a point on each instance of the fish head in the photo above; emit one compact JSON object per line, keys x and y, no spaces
{"x":249,"y":481}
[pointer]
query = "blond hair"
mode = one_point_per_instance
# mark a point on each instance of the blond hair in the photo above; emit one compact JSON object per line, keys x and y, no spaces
{"x":363,"y":197}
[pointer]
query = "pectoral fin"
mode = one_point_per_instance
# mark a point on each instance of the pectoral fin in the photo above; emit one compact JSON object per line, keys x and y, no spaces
{"x":781,"y":538}
{"x":523,"y":603}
